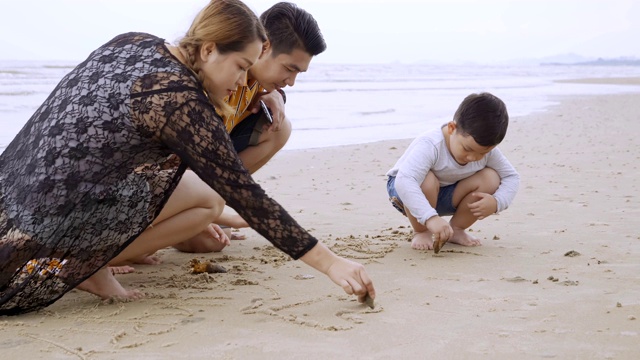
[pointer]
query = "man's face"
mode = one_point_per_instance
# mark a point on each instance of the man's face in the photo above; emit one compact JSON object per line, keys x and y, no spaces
{"x":277,"y":72}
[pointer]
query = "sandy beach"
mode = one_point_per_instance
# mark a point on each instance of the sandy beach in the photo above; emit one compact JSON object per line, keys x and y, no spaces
{"x":557,"y":276}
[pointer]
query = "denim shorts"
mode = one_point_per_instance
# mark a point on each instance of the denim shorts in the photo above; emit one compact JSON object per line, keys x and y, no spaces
{"x":444,"y":205}
{"x":248,"y":131}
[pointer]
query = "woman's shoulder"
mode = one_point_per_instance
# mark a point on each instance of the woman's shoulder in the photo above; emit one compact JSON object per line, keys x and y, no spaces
{"x":135,"y":38}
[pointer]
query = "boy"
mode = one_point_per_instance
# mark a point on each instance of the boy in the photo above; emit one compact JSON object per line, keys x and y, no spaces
{"x":455,"y":170}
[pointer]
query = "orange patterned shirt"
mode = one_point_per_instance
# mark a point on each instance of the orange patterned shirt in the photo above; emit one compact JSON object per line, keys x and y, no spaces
{"x":240,"y":101}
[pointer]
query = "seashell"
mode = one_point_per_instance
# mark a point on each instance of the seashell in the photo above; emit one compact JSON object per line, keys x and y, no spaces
{"x":198,"y":267}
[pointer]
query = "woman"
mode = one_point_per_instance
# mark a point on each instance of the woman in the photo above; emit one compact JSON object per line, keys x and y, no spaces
{"x":80,"y":185}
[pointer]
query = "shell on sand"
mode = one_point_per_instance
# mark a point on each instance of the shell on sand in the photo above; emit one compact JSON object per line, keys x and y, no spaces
{"x":198,"y":267}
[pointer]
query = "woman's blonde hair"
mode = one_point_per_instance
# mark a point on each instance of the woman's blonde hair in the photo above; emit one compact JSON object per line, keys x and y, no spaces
{"x":231,"y":25}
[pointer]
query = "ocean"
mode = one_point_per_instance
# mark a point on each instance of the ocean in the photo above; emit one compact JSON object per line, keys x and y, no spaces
{"x":342,"y":104}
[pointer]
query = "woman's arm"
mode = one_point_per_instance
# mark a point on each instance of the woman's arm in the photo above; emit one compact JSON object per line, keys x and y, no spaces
{"x":197,"y":135}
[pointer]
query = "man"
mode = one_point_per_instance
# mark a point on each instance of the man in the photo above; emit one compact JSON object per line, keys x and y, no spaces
{"x":294,"y":38}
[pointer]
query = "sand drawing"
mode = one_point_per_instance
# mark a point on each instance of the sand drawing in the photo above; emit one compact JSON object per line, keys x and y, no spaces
{"x":299,"y":313}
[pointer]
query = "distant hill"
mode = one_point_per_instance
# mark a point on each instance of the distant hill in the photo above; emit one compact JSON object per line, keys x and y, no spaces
{"x":569,"y":58}
{"x":621,"y":61}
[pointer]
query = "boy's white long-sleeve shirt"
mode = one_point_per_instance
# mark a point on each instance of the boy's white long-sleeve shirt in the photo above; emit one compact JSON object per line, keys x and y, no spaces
{"x":429,"y":152}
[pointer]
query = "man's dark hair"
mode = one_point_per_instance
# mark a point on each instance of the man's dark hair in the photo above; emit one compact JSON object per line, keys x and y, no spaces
{"x":484,"y":117}
{"x":289,"y":27}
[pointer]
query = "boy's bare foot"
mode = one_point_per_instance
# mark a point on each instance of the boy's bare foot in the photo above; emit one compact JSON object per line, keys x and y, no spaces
{"x":422,"y":241}
{"x":105,"y":285}
{"x":461,"y":237}
{"x":124,"y":269}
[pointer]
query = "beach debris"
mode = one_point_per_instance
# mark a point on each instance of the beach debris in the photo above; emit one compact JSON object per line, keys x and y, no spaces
{"x":241,"y":282}
{"x":369,"y":301}
{"x":570,"y":283}
{"x":496,"y":237}
{"x":516,"y":279}
{"x":572,"y":253}
{"x":199,"y":267}
{"x":303,"y":277}
{"x":437,"y":245}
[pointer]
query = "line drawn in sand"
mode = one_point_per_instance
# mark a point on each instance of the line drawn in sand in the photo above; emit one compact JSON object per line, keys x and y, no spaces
{"x":294,"y":313}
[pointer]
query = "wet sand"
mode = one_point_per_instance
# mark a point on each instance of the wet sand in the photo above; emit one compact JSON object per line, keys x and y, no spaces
{"x":556,"y":277}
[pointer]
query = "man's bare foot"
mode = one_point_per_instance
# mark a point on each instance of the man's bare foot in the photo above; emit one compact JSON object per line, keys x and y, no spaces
{"x":105,"y":285}
{"x":422,"y":241}
{"x":235,"y":236}
{"x":461,"y":237}
{"x":147,"y":260}
{"x":124,"y":269}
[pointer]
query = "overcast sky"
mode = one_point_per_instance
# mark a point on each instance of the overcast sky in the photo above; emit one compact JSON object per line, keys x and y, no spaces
{"x":356,"y":31}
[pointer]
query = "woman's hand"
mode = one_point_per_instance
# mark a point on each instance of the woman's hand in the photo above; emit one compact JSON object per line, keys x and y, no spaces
{"x":349,"y":275}
{"x":352,"y":277}
{"x":218,"y":234}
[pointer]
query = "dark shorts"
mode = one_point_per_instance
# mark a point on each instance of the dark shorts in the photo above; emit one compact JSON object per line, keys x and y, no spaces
{"x":248,"y":131}
{"x":444,"y":205}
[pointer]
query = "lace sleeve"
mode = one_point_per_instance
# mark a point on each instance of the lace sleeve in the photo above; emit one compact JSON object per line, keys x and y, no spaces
{"x":197,"y":135}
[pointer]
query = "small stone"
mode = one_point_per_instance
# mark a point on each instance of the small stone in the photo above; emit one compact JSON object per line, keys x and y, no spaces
{"x":369,"y":301}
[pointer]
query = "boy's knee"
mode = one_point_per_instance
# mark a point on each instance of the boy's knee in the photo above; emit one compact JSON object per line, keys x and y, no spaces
{"x":491,"y":179}
{"x":431,"y":184}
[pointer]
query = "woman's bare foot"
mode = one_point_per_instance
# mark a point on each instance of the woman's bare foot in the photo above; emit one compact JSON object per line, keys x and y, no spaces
{"x":461,"y":237}
{"x":147,"y":260}
{"x":105,"y":285}
{"x":422,"y":241}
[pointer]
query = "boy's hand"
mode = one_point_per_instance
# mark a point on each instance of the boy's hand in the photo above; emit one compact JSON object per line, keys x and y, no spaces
{"x":440,"y":228}
{"x":485,"y":205}
{"x":275,"y":103}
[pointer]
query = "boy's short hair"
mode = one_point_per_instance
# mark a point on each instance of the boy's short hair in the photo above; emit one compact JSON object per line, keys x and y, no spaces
{"x":483,"y":116}
{"x":289,"y":27}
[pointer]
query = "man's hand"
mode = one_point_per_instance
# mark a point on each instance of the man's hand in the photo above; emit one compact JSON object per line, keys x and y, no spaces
{"x":275,"y":103}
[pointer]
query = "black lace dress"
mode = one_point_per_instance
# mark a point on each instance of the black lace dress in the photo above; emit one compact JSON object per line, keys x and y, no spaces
{"x":81,"y":180}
